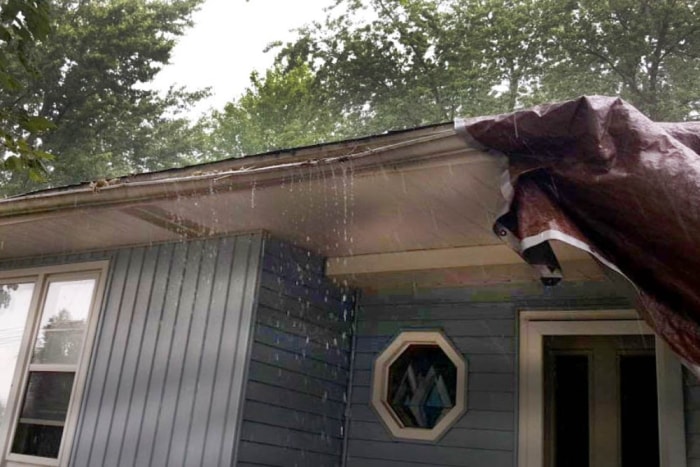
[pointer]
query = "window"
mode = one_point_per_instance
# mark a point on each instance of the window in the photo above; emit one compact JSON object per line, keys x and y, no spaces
{"x":419,"y":386}
{"x":47,"y":322}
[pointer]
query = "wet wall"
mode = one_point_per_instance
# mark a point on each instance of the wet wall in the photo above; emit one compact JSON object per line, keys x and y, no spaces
{"x":167,"y":369}
{"x":299,"y":364}
{"x":481,"y":323}
{"x":236,"y":351}
{"x":229,"y":351}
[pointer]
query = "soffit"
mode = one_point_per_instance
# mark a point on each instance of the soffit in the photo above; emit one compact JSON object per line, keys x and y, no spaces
{"x":432,"y":196}
{"x":339,"y":209}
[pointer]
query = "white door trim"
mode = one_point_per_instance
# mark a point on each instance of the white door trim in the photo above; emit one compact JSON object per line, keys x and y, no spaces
{"x":534,"y":325}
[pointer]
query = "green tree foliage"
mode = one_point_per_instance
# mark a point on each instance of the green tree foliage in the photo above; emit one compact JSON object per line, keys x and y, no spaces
{"x":647,"y":51}
{"x":23,"y":23}
{"x":281,"y":109}
{"x":375,"y":65}
{"x":90,"y":85}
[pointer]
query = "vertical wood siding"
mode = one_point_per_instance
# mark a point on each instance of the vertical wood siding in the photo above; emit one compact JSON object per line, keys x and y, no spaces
{"x":482,"y":325}
{"x":298,"y":375}
{"x":166,"y":374}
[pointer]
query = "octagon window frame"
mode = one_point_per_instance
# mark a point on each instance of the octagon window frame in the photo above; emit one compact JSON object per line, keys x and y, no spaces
{"x":380,"y":384}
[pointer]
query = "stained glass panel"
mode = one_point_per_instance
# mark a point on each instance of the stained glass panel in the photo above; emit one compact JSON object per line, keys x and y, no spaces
{"x":422,"y":386}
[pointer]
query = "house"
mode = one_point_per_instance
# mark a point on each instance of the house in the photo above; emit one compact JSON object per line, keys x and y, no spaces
{"x":345,"y":304}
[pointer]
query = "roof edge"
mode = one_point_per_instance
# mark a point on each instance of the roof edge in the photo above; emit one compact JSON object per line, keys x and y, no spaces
{"x":244,"y":173}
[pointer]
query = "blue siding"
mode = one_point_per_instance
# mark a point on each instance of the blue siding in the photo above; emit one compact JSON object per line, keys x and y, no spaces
{"x":692,"y":417}
{"x":236,"y":351}
{"x":167,"y":371}
{"x":170,"y":350}
{"x":482,"y":325}
{"x":298,"y":374}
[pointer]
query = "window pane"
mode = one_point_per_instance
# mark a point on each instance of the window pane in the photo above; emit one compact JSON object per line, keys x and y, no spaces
{"x":571,"y":422}
{"x":37,"y":440}
{"x":638,"y":411}
{"x":43,"y":413}
{"x":422,"y":386}
{"x":63,"y":322}
{"x":47,"y":396}
{"x":14,"y":306}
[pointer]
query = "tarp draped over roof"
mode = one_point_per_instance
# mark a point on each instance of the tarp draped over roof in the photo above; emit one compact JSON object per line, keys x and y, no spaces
{"x":598,"y":174}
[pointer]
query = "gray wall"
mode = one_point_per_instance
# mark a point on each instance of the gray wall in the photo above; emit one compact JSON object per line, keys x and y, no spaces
{"x":298,"y":375}
{"x":169,"y":363}
{"x":167,"y":368}
{"x":481,"y":323}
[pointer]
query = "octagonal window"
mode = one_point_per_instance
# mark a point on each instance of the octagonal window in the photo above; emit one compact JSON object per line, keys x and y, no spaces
{"x":419,"y":387}
{"x":422,"y":385}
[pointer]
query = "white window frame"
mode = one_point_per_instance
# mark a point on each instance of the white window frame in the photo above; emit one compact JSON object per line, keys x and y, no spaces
{"x":41,"y":278}
{"x":380,"y":385}
{"x":535,"y":325}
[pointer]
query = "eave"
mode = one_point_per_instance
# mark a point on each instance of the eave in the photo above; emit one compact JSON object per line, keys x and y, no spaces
{"x":424,"y":190}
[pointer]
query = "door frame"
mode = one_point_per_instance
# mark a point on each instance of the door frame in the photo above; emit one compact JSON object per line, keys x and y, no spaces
{"x":534,"y":325}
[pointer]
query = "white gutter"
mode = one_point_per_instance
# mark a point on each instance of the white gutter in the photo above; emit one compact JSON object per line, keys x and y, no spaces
{"x":29,"y":207}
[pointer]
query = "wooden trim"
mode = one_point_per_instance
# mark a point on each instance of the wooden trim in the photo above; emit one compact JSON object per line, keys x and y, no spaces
{"x":246,"y":333}
{"x":83,"y":362}
{"x":485,"y":255}
{"x":535,"y":325}
{"x":20,"y":460}
{"x":53,"y":367}
{"x":669,"y":377}
{"x":168,"y":221}
{"x":32,"y":274}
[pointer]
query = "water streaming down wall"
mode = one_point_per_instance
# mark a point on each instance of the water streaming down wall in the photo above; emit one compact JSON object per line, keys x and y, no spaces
{"x":167,"y":367}
{"x":298,"y":376}
{"x":481,"y":322}
{"x":188,"y":330}
{"x":235,"y":351}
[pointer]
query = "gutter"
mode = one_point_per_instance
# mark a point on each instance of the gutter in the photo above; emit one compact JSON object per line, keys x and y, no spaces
{"x":126,"y":191}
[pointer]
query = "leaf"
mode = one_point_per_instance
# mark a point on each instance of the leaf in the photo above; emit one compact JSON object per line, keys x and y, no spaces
{"x":37,"y":124}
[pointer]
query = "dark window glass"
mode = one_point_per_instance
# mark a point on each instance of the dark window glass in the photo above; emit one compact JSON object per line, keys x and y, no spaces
{"x":43,"y":413}
{"x":422,"y":386}
{"x":638,"y":409}
{"x":570,"y":380}
{"x":37,"y":440}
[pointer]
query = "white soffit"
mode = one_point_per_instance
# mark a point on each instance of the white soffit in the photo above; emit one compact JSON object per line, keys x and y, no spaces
{"x":434,"y":195}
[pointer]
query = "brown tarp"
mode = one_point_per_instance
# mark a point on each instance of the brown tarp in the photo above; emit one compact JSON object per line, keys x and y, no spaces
{"x":598,"y":174}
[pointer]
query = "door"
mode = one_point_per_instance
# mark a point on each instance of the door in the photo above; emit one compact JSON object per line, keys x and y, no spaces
{"x":600,"y":401}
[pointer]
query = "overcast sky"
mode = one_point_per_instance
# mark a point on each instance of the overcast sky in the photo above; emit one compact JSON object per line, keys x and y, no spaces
{"x":227,"y":43}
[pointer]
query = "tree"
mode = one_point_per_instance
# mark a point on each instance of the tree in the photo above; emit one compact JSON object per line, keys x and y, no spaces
{"x":23,"y":23}
{"x":392,"y":64}
{"x":90,"y":84}
{"x":403,"y":66}
{"x":281,"y":109}
{"x":647,"y":51}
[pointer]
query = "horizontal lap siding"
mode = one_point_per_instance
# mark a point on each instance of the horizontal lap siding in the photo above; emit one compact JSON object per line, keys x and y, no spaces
{"x":298,"y":374}
{"x":691,"y":389}
{"x":481,"y":323}
{"x":166,"y":373}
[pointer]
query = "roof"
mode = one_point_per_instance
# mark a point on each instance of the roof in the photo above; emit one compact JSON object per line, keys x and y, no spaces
{"x":419,"y":190}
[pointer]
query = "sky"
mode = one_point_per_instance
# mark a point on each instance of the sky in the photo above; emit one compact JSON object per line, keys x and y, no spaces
{"x":227,"y":43}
